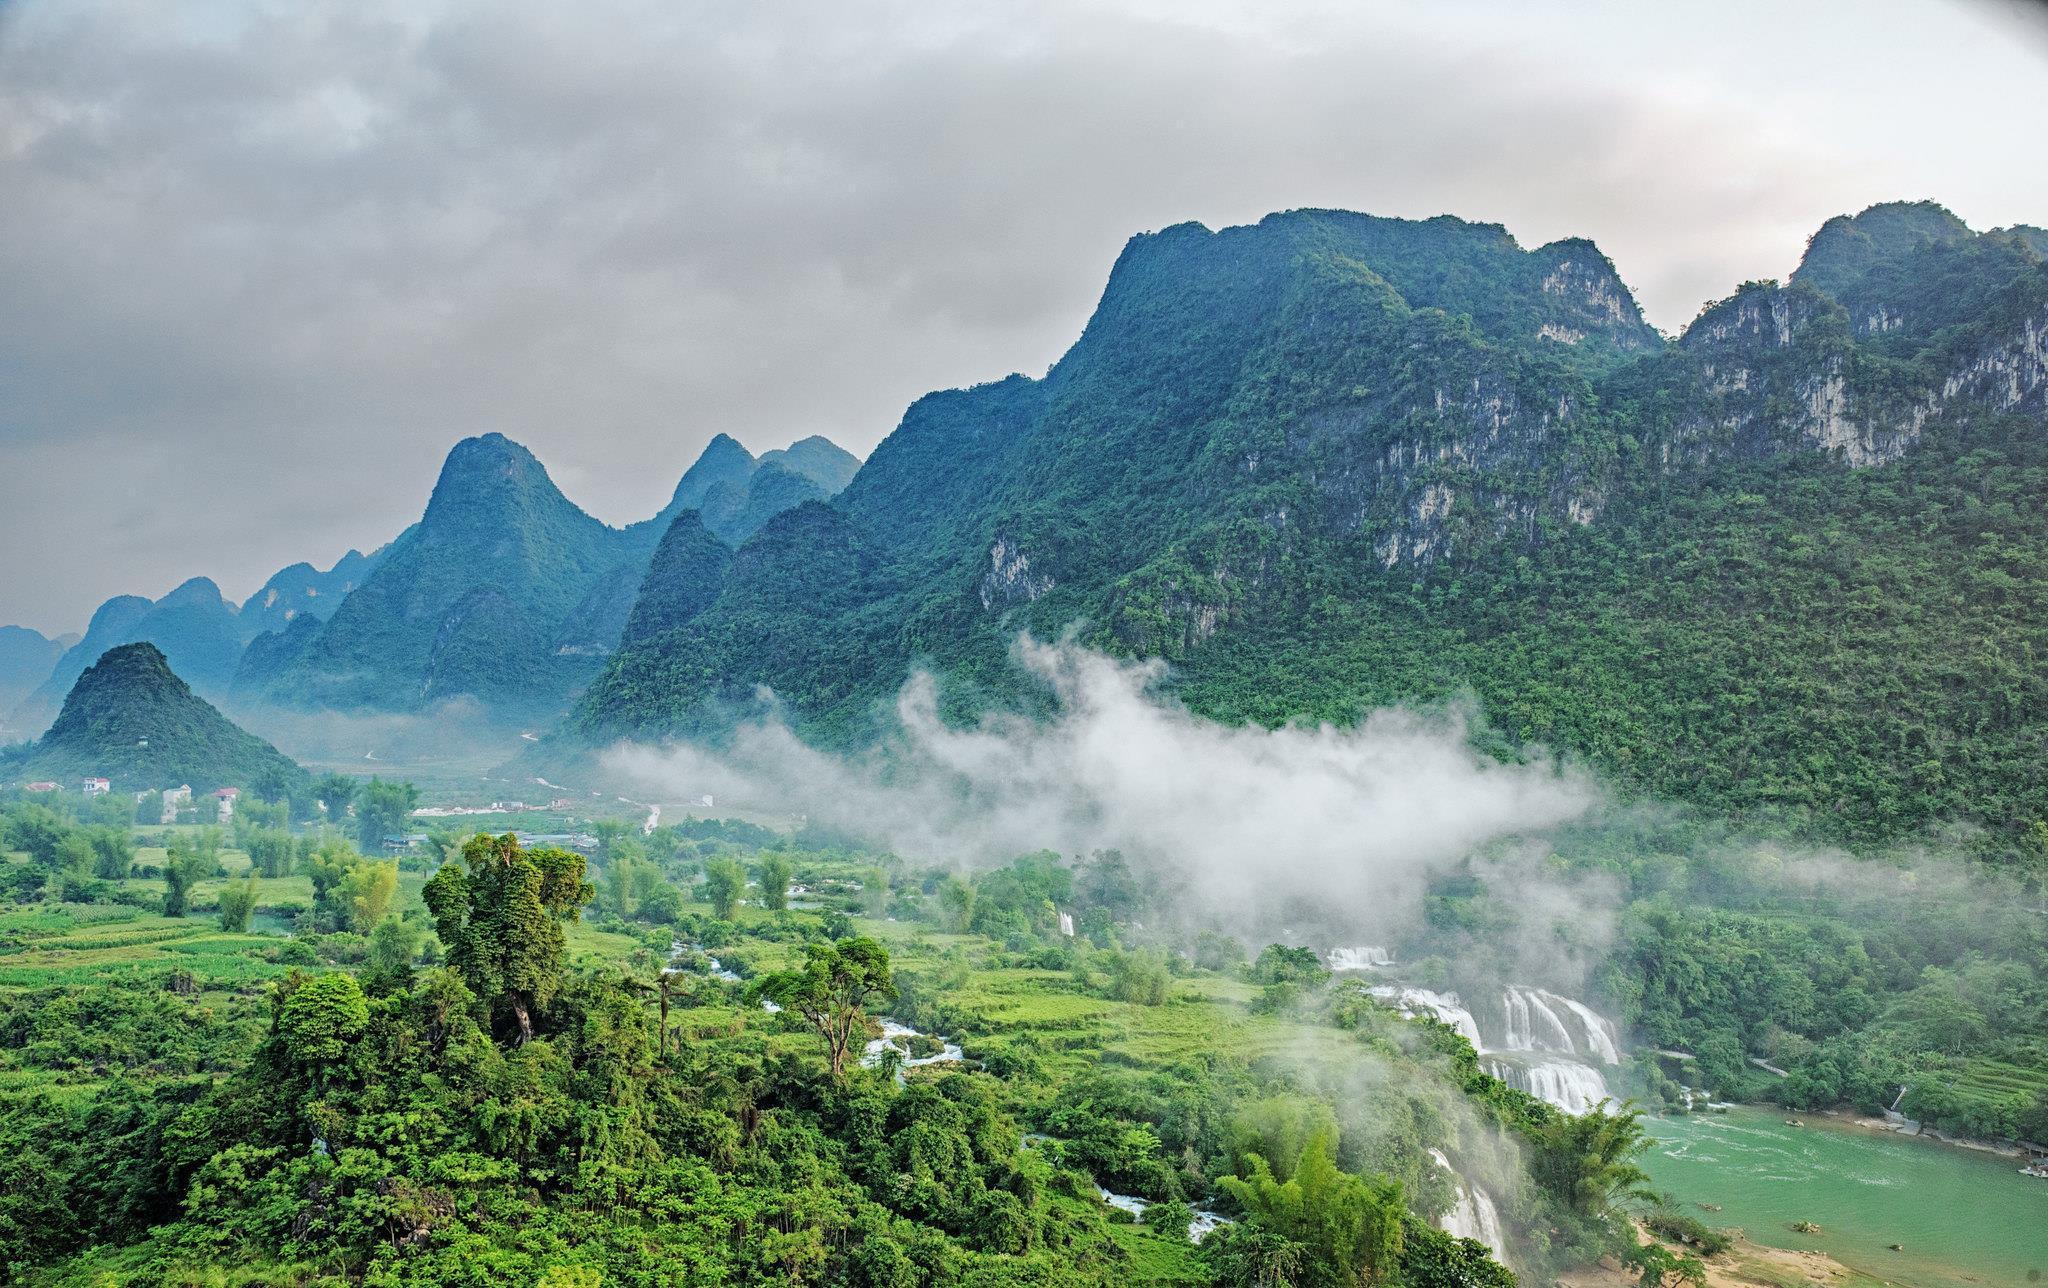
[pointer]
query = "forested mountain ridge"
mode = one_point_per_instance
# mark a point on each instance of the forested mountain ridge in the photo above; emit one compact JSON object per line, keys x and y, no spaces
{"x":194,"y":625}
{"x":131,"y":720}
{"x":506,"y":591}
{"x":302,"y":590}
{"x":26,"y":657}
{"x":462,"y":604}
{"x":1788,"y":561}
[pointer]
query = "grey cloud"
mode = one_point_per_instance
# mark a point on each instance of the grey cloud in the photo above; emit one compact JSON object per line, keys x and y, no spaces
{"x":264,"y":263}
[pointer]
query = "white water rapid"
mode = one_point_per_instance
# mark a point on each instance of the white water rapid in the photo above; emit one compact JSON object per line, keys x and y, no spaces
{"x":1442,"y":1006}
{"x":1571,"y":1086}
{"x":1552,"y":1046}
{"x":1204,"y":1224}
{"x":1473,"y":1216}
{"x":1369,"y":957}
{"x":893,"y":1035}
{"x":1540,"y":1020}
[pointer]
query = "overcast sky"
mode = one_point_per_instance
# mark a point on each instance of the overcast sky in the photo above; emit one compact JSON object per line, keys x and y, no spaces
{"x":262,"y":263}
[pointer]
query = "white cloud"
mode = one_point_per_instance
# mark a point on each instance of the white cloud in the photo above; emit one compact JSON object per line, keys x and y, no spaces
{"x":1254,"y":825}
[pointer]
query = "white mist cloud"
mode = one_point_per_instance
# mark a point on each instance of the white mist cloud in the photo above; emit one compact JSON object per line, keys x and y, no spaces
{"x":1249,"y":823}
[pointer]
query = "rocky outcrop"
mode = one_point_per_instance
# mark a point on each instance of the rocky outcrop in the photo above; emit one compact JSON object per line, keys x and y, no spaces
{"x":1010,"y":579}
{"x":1774,"y":371}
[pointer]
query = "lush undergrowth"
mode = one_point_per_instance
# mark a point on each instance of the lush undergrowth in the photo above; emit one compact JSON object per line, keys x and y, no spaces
{"x":353,"y":1101}
{"x":254,"y":1055}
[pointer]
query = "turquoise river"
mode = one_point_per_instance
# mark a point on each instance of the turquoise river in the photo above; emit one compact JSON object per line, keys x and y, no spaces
{"x":1962,"y":1217}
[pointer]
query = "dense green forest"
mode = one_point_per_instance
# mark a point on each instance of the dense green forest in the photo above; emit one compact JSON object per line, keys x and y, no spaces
{"x":491,"y":1065}
{"x":661,"y":1064}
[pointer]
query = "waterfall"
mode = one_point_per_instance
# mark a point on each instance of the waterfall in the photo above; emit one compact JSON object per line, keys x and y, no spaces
{"x":1370,"y":957}
{"x":892,"y":1032}
{"x":1540,"y":1020}
{"x":1473,"y":1216}
{"x":1442,"y":1006}
{"x":1574,"y":1037}
{"x":1067,"y":924}
{"x":1571,"y":1086}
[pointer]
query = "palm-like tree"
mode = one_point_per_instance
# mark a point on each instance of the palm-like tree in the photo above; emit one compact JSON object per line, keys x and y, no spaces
{"x":1588,"y":1160}
{"x":667,"y":986}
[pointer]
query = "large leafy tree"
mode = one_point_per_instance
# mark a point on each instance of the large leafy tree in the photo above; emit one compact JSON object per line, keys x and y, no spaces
{"x":832,"y":990}
{"x":724,"y":880}
{"x":499,"y":912}
{"x":382,"y":808}
{"x":1589,"y":1160}
{"x":774,"y":876}
{"x":1348,"y":1227}
{"x":335,"y":791}
{"x":318,"y":1017}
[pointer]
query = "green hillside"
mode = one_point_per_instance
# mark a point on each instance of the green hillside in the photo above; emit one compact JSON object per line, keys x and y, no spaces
{"x":129,"y":719}
{"x":1785,"y":567}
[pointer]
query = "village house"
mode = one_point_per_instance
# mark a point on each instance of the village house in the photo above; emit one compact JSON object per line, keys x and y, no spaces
{"x":97,"y":787}
{"x":226,"y":798}
{"x":45,"y":787}
{"x":174,"y":799}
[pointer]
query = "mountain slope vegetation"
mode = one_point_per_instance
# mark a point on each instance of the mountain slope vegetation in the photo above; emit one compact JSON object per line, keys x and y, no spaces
{"x":193,"y":625}
{"x":1782,"y":567}
{"x":131,"y":720}
{"x":506,"y":591}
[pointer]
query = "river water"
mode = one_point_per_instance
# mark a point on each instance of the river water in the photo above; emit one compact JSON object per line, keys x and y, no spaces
{"x":1964,"y":1218}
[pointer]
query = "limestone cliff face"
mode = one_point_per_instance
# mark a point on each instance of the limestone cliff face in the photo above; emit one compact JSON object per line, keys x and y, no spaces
{"x":1010,"y":579}
{"x":1257,"y":421}
{"x":1486,"y":460}
{"x":1774,"y":371}
{"x":1588,"y":298}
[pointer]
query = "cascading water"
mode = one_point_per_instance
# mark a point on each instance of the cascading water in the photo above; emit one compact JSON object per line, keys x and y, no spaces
{"x":1540,"y":1020}
{"x":1571,"y":1086}
{"x":1443,"y":1006}
{"x":1551,"y":1048}
{"x":1370,"y":957}
{"x":1473,"y":1216}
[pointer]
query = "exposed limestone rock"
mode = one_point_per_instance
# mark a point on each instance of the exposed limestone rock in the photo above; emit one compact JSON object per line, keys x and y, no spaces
{"x":1009,"y":579}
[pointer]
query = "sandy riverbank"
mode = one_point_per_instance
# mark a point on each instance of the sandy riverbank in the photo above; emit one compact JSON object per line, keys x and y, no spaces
{"x":1745,"y":1265}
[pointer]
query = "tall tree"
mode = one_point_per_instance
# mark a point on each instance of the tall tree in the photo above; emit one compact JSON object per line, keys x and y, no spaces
{"x":724,"y":880}
{"x":1348,"y":1227}
{"x":113,"y":852}
{"x":270,"y":851}
{"x":382,"y":808}
{"x":609,"y":832}
{"x":36,"y":829}
{"x":499,"y":912}
{"x":394,"y":945}
{"x":368,"y":889}
{"x":237,"y":904}
{"x":774,"y":877}
{"x":184,"y":866}
{"x":1589,"y":1160}
{"x":832,"y":990}
{"x":335,"y":791}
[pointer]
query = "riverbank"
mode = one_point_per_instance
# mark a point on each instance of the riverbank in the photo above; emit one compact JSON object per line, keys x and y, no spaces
{"x":1894,"y":1208}
{"x":1907,"y":1127}
{"x":1746,"y":1264}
